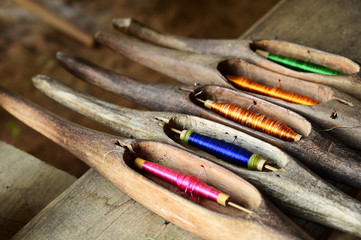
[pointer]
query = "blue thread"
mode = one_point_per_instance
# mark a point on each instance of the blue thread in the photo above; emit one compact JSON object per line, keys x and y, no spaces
{"x":226,"y":151}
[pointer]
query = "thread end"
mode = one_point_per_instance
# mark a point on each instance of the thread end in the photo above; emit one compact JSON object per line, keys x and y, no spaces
{"x":269,"y":167}
{"x":262,"y":53}
{"x":240,"y":208}
{"x":176,"y":130}
{"x":298,"y":138}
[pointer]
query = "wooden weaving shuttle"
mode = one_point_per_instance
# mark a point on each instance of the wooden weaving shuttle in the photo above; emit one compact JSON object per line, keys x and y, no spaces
{"x":324,"y":155}
{"x":245,"y":49}
{"x":295,"y":188}
{"x":110,"y":156}
{"x":209,"y":69}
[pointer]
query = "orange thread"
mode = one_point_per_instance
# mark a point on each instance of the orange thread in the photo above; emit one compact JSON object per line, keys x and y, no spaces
{"x":248,"y":84}
{"x":254,"y":120}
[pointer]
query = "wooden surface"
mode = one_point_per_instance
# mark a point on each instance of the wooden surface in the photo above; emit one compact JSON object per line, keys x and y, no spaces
{"x":284,"y":186}
{"x":27,"y":185}
{"x":93,"y":208}
{"x":331,"y":26}
{"x":189,"y":68}
{"x":30,"y":44}
{"x":293,"y":21}
{"x":101,"y":151}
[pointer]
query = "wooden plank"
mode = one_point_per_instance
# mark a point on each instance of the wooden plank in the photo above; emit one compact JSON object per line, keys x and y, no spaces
{"x":332,"y":26}
{"x":27,"y":185}
{"x":92,"y":208}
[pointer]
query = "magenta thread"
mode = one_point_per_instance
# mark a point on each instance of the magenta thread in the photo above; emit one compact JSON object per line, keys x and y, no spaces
{"x":191,"y":185}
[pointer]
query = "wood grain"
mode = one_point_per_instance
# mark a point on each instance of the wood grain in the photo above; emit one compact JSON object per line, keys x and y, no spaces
{"x":286,"y":186}
{"x":57,"y":21}
{"x":113,"y":157}
{"x":93,"y":208}
{"x":27,"y":185}
{"x":244,"y":49}
{"x":322,"y":153}
{"x":237,"y":57}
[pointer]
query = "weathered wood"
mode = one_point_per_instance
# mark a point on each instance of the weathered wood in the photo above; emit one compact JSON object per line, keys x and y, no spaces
{"x":211,"y":69}
{"x":244,"y":49}
{"x":113,"y":157}
{"x":324,"y":155}
{"x":27,"y":185}
{"x":295,"y":188}
{"x":57,"y":21}
{"x":109,"y":214}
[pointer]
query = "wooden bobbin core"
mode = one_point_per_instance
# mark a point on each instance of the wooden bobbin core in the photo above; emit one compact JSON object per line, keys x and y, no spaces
{"x":262,"y":53}
{"x":139,"y":163}
{"x":223,"y":199}
{"x":297,"y":138}
{"x":208,"y":104}
{"x":184,"y":135}
{"x":261,"y":164}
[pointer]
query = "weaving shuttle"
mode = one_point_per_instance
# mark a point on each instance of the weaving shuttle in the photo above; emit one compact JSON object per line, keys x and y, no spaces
{"x":287,"y":185}
{"x":245,"y":50}
{"x":190,"y":68}
{"x":110,"y":156}
{"x":323,"y":154}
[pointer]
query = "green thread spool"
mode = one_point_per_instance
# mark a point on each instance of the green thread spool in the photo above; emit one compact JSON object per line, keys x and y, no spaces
{"x":297,"y":64}
{"x":256,"y":162}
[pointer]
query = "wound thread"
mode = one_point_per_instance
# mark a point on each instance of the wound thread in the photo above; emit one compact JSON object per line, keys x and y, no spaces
{"x":249,"y":85}
{"x":191,"y":185}
{"x":221,"y":149}
{"x":300,"y":65}
{"x":254,"y":120}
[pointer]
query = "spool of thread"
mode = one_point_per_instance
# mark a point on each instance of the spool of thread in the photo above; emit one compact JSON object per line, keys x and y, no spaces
{"x":297,"y":64}
{"x":253,"y":120}
{"x":191,"y":185}
{"x":226,"y":151}
{"x":249,"y":85}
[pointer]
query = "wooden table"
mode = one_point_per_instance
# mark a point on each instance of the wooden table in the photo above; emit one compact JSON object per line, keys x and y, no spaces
{"x":27,"y":185}
{"x":93,"y":208}
{"x":332,"y":26}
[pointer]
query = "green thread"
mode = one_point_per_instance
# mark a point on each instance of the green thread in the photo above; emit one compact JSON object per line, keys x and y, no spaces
{"x":302,"y":65}
{"x":186,"y":135}
{"x":253,"y":161}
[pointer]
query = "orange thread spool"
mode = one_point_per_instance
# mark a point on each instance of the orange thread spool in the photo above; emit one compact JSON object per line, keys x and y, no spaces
{"x":254,"y":120}
{"x":249,"y":85}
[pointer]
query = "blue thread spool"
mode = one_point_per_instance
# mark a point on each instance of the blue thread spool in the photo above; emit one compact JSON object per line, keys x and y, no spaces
{"x":226,"y":151}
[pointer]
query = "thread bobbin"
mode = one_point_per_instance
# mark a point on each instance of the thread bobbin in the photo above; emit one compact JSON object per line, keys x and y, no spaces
{"x":298,"y":64}
{"x":252,"y":120}
{"x":254,"y":161}
{"x":191,"y":185}
{"x":249,"y":85}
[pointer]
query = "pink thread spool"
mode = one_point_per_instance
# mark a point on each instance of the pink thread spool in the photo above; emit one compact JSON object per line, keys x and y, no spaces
{"x":191,"y":185}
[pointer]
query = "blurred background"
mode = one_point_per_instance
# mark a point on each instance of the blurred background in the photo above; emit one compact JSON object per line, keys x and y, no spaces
{"x":28,"y":47}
